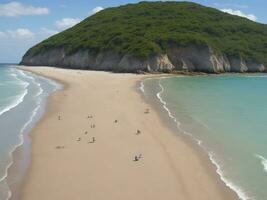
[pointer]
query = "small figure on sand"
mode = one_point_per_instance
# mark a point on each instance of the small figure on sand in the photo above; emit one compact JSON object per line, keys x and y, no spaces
{"x":116,"y":121}
{"x":85,"y":132}
{"x":138,"y":132}
{"x":137,"y":158}
{"x":89,"y":116}
{"x":60,"y":147}
{"x":79,"y":139}
{"x":147,"y":111}
{"x":59,"y":117}
{"x":93,"y":140}
{"x":93,"y":126}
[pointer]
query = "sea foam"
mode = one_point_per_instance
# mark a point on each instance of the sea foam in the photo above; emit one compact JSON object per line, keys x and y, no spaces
{"x":14,"y":103}
{"x":212,"y":156}
{"x":26,"y":79}
{"x":263,"y":162}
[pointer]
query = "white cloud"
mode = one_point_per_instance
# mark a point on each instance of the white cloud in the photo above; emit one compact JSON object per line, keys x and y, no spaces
{"x":240,"y":6}
{"x":2,"y":34}
{"x":14,"y":9}
{"x":97,"y":9}
{"x":240,"y":13}
{"x":67,"y":22}
{"x":15,"y":42}
{"x":47,"y":32}
{"x":20,"y":33}
{"x":26,"y":34}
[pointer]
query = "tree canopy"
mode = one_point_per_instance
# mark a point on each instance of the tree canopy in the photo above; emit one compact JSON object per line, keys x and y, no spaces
{"x":147,"y":28}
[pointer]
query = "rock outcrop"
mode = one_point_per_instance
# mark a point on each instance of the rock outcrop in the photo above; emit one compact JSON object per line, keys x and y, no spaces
{"x":191,"y":59}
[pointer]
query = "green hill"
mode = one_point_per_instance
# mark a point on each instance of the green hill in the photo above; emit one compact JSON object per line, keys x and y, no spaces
{"x":149,"y":28}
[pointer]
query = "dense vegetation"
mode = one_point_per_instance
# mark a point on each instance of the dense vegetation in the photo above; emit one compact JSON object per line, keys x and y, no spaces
{"x":148,"y":28}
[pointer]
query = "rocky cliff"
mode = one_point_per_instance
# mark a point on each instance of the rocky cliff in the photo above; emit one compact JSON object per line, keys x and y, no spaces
{"x":157,"y":37}
{"x":191,"y":59}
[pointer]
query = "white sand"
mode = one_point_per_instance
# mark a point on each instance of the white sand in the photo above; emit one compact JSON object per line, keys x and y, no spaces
{"x":171,"y":169}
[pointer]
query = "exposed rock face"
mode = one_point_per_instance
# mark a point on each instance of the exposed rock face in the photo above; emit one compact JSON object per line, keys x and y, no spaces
{"x":200,"y":59}
{"x":191,"y":58}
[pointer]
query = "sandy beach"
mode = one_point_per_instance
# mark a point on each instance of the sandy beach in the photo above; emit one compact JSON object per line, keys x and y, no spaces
{"x":85,"y":146}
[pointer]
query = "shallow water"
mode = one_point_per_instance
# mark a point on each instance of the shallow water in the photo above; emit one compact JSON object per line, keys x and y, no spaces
{"x":22,"y":103}
{"x":227,"y":116}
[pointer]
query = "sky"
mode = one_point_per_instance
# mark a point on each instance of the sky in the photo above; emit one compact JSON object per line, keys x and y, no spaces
{"x":24,"y":23}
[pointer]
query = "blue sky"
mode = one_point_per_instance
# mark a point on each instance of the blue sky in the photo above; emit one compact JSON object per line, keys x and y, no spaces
{"x":24,"y":23}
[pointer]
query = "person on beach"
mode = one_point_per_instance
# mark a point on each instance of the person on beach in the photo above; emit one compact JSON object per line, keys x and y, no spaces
{"x":93,"y":126}
{"x":92,"y":141}
{"x":136,"y":158}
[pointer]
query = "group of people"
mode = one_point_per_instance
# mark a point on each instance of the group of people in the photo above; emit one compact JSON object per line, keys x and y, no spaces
{"x":136,"y":157}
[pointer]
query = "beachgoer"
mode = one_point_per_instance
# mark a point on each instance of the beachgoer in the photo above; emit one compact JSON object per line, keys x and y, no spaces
{"x":136,"y":158}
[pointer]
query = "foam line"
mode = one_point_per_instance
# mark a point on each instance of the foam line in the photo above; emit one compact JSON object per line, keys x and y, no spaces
{"x":142,"y":84}
{"x":263,"y":162}
{"x":239,"y":191}
{"x":30,"y":120}
{"x":14,"y":103}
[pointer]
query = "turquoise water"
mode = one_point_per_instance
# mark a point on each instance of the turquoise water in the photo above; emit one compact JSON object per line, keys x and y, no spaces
{"x":227,"y":116}
{"x":22,"y":102}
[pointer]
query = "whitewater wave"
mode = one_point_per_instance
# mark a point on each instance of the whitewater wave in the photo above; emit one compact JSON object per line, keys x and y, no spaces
{"x":57,"y":86}
{"x":38,"y":99}
{"x":18,"y":80}
{"x":239,"y":191}
{"x":15,"y":103}
{"x":263,"y":162}
{"x":40,"y":92}
{"x":142,"y":84}
{"x":21,"y":142}
{"x":18,"y":98}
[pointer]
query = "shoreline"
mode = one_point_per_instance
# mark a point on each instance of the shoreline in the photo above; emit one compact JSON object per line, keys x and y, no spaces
{"x":171,"y":121}
{"x":17,"y":171}
{"x":20,"y":153}
{"x":203,"y":160}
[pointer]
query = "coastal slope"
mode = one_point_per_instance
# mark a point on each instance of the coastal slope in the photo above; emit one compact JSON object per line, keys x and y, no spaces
{"x":67,"y":163}
{"x":157,"y":37}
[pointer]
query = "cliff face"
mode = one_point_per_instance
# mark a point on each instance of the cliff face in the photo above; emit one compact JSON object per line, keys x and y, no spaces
{"x":191,"y":58}
{"x":184,"y":31}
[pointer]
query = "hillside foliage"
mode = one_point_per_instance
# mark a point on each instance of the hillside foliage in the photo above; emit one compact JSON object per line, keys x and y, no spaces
{"x":148,"y":28}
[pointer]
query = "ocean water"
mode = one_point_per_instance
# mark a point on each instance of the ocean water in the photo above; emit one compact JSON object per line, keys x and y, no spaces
{"x":22,"y":102}
{"x":226,"y":115}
